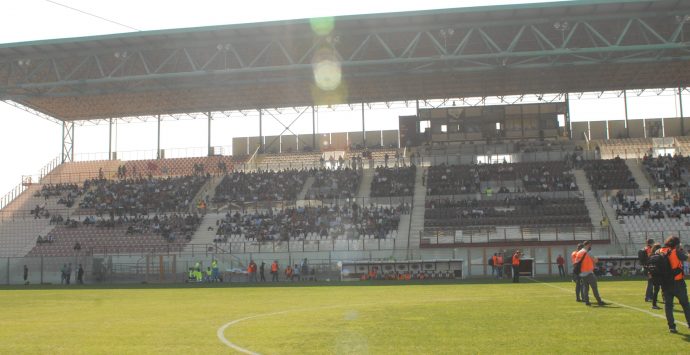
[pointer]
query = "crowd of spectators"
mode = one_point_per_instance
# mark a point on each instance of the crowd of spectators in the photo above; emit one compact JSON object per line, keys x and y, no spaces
{"x":339,"y":183}
{"x":667,"y":171}
{"x":393,"y":182}
{"x":66,"y":193}
{"x":140,"y":196}
{"x":300,"y":222}
{"x":676,"y":207}
{"x":510,"y":211}
{"x":261,"y":186}
{"x":532,"y":177}
{"x":609,"y":174}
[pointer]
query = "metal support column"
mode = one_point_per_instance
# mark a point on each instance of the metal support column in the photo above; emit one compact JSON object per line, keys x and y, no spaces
{"x":364,"y":133}
{"x":261,"y":136}
{"x":313,"y":129}
{"x":566,"y":123}
{"x":682,"y":119}
{"x":67,"y":141}
{"x":110,"y":139}
{"x":417,"y":124}
{"x":625,"y":101}
{"x":158,"y":142}
{"x":209,"y":150}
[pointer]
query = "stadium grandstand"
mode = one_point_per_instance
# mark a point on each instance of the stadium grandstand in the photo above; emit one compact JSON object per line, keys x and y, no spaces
{"x":487,"y":158}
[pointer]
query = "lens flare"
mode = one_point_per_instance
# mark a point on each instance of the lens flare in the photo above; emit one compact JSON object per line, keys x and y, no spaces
{"x":327,"y":71}
{"x":322,"y":26}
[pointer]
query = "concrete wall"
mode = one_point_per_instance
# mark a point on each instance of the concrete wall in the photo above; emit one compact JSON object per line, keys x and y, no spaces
{"x":288,"y":143}
{"x":617,"y":129}
{"x":636,"y":128}
{"x":390,"y":138}
{"x":239,"y":146}
{"x":597,"y":130}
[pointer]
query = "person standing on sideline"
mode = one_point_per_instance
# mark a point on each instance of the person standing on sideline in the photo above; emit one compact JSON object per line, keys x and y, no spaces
{"x":499,"y":265}
{"x":261,"y":271}
{"x":68,"y":273}
{"x":643,"y":255}
{"x":274,"y":271}
{"x":251,"y":270}
{"x":676,"y":288}
{"x":80,"y":275}
{"x":587,"y":274}
{"x":576,"y":276}
{"x":492,"y":263}
{"x":561,"y":266}
{"x":215,"y":277}
{"x":26,"y":275}
{"x":63,"y":274}
{"x":657,"y":286}
{"x":516,"y":266}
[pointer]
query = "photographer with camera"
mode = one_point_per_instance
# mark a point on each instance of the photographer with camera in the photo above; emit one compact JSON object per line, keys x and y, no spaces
{"x":674,"y":286}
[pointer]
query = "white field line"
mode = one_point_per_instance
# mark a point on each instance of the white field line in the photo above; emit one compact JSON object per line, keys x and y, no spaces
{"x":612,"y":302}
{"x":220,"y":333}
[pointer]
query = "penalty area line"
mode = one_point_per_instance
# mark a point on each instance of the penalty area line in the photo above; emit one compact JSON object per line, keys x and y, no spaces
{"x":610,"y":301}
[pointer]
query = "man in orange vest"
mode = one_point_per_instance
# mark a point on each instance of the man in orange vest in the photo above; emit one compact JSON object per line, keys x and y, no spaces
{"x":493,"y":261}
{"x":251,"y":271}
{"x":499,"y":266}
{"x":676,"y":289}
{"x":576,"y":276}
{"x":587,"y":274}
{"x":274,"y":271}
{"x":288,"y":272}
{"x":516,"y":266}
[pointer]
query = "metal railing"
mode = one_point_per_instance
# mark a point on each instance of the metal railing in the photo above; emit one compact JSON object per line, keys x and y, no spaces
{"x":245,"y":247}
{"x":519,"y":234}
{"x":502,"y":196}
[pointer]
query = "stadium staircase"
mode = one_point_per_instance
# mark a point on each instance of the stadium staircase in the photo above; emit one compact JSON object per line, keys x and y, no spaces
{"x":18,"y":228}
{"x":207,"y":190}
{"x":307,"y":185}
{"x":364,"y":189}
{"x":203,"y":235}
{"x":594,"y":207}
{"x":410,"y":241}
{"x":639,"y":175}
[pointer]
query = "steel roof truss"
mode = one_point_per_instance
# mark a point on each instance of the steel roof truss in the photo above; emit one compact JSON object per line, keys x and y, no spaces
{"x":361,"y":46}
{"x":439,"y":48}
{"x":261,"y":53}
{"x":189,"y":59}
{"x":650,"y":30}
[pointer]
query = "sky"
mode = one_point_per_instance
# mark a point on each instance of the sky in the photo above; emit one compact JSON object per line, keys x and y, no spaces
{"x":30,"y":142}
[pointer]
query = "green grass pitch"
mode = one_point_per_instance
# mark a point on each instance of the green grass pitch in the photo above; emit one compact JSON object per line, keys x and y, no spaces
{"x":465,"y":317}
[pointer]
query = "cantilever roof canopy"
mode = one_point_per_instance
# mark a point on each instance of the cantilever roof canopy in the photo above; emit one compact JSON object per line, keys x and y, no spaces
{"x":570,"y":46}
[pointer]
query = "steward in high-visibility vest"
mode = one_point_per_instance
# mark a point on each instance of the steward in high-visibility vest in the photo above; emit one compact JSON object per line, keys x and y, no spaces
{"x":676,"y":289}
{"x":516,"y":266}
{"x":274,"y":271}
{"x":587,"y":273}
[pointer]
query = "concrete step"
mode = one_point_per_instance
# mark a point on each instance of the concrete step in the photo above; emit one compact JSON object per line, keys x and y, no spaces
{"x":305,"y":188}
{"x":364,"y":189}
{"x":417,"y":217}
{"x":595,"y":212}
{"x":639,"y":175}
{"x":203,"y":235}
